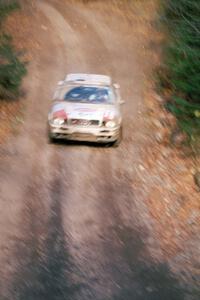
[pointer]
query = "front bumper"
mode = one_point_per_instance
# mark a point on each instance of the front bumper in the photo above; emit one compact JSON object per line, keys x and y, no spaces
{"x":89,"y":134}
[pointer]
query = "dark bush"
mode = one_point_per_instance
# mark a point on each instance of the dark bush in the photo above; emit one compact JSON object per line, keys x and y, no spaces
{"x":181,"y":67}
{"x":12,"y":69}
{"x":6,"y":6}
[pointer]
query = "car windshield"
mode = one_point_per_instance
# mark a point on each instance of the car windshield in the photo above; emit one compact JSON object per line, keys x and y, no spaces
{"x":88,"y":94}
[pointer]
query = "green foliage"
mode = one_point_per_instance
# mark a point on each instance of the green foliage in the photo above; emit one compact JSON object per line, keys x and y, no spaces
{"x":188,"y":115}
{"x":12,"y":69}
{"x":181,"y":70}
{"x":6,"y":7}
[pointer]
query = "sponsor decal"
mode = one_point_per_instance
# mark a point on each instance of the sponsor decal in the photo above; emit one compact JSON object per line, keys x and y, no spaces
{"x":85,"y":109}
{"x":60,"y":114}
{"x":86,"y":113}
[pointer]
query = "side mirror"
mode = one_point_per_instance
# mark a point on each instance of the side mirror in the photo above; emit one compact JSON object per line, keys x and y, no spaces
{"x":121,"y":101}
{"x":116,"y":86}
{"x":60,"y":82}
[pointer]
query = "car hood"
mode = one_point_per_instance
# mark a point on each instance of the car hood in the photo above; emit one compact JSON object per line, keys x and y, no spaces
{"x":86,"y":111}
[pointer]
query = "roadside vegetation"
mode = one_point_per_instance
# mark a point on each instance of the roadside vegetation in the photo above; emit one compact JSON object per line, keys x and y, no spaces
{"x":12,"y":68}
{"x":180,"y":70}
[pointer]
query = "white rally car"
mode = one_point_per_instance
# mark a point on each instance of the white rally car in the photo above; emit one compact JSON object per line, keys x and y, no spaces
{"x":86,"y":107}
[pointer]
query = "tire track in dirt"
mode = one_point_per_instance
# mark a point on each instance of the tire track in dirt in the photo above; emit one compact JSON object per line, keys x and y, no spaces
{"x":27,"y":161}
{"x":44,"y":265}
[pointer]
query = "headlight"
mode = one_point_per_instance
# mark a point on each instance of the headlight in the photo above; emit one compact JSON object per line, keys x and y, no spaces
{"x":58,"y":121}
{"x":110,"y":124}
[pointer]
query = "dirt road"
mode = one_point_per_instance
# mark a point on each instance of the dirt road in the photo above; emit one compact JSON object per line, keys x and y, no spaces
{"x":71,"y":226}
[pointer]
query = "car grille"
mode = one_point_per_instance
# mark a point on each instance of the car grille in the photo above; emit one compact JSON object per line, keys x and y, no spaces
{"x":82,"y":122}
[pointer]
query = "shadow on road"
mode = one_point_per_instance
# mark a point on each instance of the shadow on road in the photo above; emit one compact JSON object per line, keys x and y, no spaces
{"x":68,"y":143}
{"x":136,"y":274}
{"x":141,"y":278}
{"x":44,"y":266}
{"x":155,"y":282}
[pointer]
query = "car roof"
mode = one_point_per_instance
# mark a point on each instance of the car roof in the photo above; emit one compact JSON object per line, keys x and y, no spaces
{"x":88,"y":79}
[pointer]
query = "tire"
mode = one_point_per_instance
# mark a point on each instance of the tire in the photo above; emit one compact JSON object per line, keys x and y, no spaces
{"x":51,"y":140}
{"x":116,"y":143}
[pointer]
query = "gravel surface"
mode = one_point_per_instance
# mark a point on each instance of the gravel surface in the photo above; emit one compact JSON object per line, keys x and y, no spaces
{"x":75,"y":221}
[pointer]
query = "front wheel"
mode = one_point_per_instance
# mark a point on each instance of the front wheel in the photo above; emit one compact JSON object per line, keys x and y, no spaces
{"x":51,"y":139}
{"x":116,"y":143}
